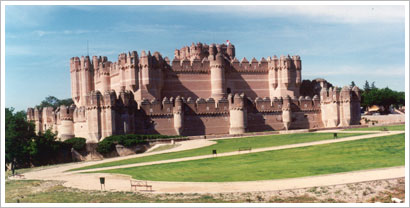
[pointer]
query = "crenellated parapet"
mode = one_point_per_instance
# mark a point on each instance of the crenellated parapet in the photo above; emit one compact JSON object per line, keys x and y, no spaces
{"x":66,"y":113}
{"x":340,"y":107}
{"x":254,"y":66}
{"x":79,"y":114}
{"x":191,"y":66}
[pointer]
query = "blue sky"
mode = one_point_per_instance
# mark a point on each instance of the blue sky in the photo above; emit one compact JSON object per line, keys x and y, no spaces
{"x":338,"y":43}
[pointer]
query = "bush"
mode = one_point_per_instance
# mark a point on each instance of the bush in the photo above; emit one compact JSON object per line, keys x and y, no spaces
{"x":108,"y":144}
{"x":78,"y":143}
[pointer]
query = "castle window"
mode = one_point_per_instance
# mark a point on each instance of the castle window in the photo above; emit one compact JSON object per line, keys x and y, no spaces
{"x":228,"y":90}
{"x":150,"y":110}
{"x":207,"y":108}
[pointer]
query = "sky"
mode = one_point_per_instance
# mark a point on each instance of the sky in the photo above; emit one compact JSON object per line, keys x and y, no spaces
{"x":338,"y":43}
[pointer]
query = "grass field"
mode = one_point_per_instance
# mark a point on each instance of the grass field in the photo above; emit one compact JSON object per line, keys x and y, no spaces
{"x":362,"y":154}
{"x":380,"y":128}
{"x":229,"y":145}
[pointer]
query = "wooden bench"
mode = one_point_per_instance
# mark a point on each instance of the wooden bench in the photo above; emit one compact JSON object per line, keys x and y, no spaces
{"x":245,"y":149}
{"x":135,"y":184}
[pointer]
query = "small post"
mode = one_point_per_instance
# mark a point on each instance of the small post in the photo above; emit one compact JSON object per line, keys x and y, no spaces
{"x":334,"y":135}
{"x":214,"y":152}
{"x":102,"y":182}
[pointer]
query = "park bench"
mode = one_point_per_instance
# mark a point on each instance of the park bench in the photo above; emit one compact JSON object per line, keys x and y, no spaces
{"x":245,"y":149}
{"x":135,"y":184}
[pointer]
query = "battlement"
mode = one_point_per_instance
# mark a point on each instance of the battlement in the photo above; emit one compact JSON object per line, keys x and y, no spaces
{"x":79,"y":114}
{"x":176,"y":105}
{"x":191,"y":66}
{"x":296,"y":104}
{"x":66,"y":113}
{"x":336,"y":95}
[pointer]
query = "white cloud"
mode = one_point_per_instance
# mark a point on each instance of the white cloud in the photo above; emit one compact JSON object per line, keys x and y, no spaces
{"x":42,"y":33}
{"x":335,"y":14}
{"x":357,"y":71}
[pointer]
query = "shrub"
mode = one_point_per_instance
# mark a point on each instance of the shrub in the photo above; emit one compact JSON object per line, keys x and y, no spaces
{"x":128,"y":140}
{"x":78,"y":143}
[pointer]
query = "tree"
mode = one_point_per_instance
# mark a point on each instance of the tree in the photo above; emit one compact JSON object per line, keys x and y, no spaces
{"x":373,"y":86}
{"x":18,"y":134}
{"x":352,"y":84}
{"x":382,"y":97}
{"x":54,"y":102}
{"x":366,"y":86}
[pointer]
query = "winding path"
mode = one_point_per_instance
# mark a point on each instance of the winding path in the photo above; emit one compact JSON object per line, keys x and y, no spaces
{"x":117,"y":182}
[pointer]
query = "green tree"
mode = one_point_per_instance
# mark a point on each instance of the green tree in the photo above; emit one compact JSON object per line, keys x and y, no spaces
{"x":373,"y":86}
{"x":366,"y":86}
{"x":382,"y":97}
{"x":54,"y":102}
{"x":352,"y":84}
{"x":18,"y":134}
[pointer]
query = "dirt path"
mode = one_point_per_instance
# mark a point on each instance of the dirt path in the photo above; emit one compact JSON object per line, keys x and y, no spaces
{"x":115,"y":182}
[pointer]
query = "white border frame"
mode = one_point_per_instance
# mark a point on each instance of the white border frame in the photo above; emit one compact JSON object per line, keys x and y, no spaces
{"x":215,"y":3}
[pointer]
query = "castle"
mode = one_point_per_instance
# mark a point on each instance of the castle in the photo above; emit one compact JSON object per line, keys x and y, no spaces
{"x":204,"y":90}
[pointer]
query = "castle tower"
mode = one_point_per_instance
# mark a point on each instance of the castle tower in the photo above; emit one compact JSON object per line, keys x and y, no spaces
{"x":66,"y":127}
{"x":297,"y":63}
{"x":217,"y":72}
{"x":237,"y":113}
{"x":133,"y":70}
{"x":105,"y":79}
{"x":82,"y":79}
{"x":144,"y":66}
{"x":286,"y":112}
{"x":108,"y":114}
{"x":87,"y":78}
{"x":178,"y":116}
{"x":94,"y":116}
{"x":75,"y":68}
{"x":355,"y":106}
{"x":330,"y":106}
{"x":284,"y":76}
{"x":231,"y":51}
{"x":345,"y":111}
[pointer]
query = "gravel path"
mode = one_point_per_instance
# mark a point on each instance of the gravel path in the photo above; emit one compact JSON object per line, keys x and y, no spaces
{"x":116,"y":182}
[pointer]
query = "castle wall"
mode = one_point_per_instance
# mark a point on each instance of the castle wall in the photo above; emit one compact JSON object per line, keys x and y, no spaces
{"x":252,"y":84}
{"x":207,"y":124}
{"x":160,"y":125}
{"x":193,"y":85}
{"x":81,"y":129}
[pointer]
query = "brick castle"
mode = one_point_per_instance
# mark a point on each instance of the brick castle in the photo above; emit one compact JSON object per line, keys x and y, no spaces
{"x":204,"y":90}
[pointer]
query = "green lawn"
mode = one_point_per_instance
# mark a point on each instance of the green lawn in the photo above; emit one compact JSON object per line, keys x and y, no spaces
{"x":369,"y":153}
{"x":380,"y":128}
{"x":229,"y":145}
